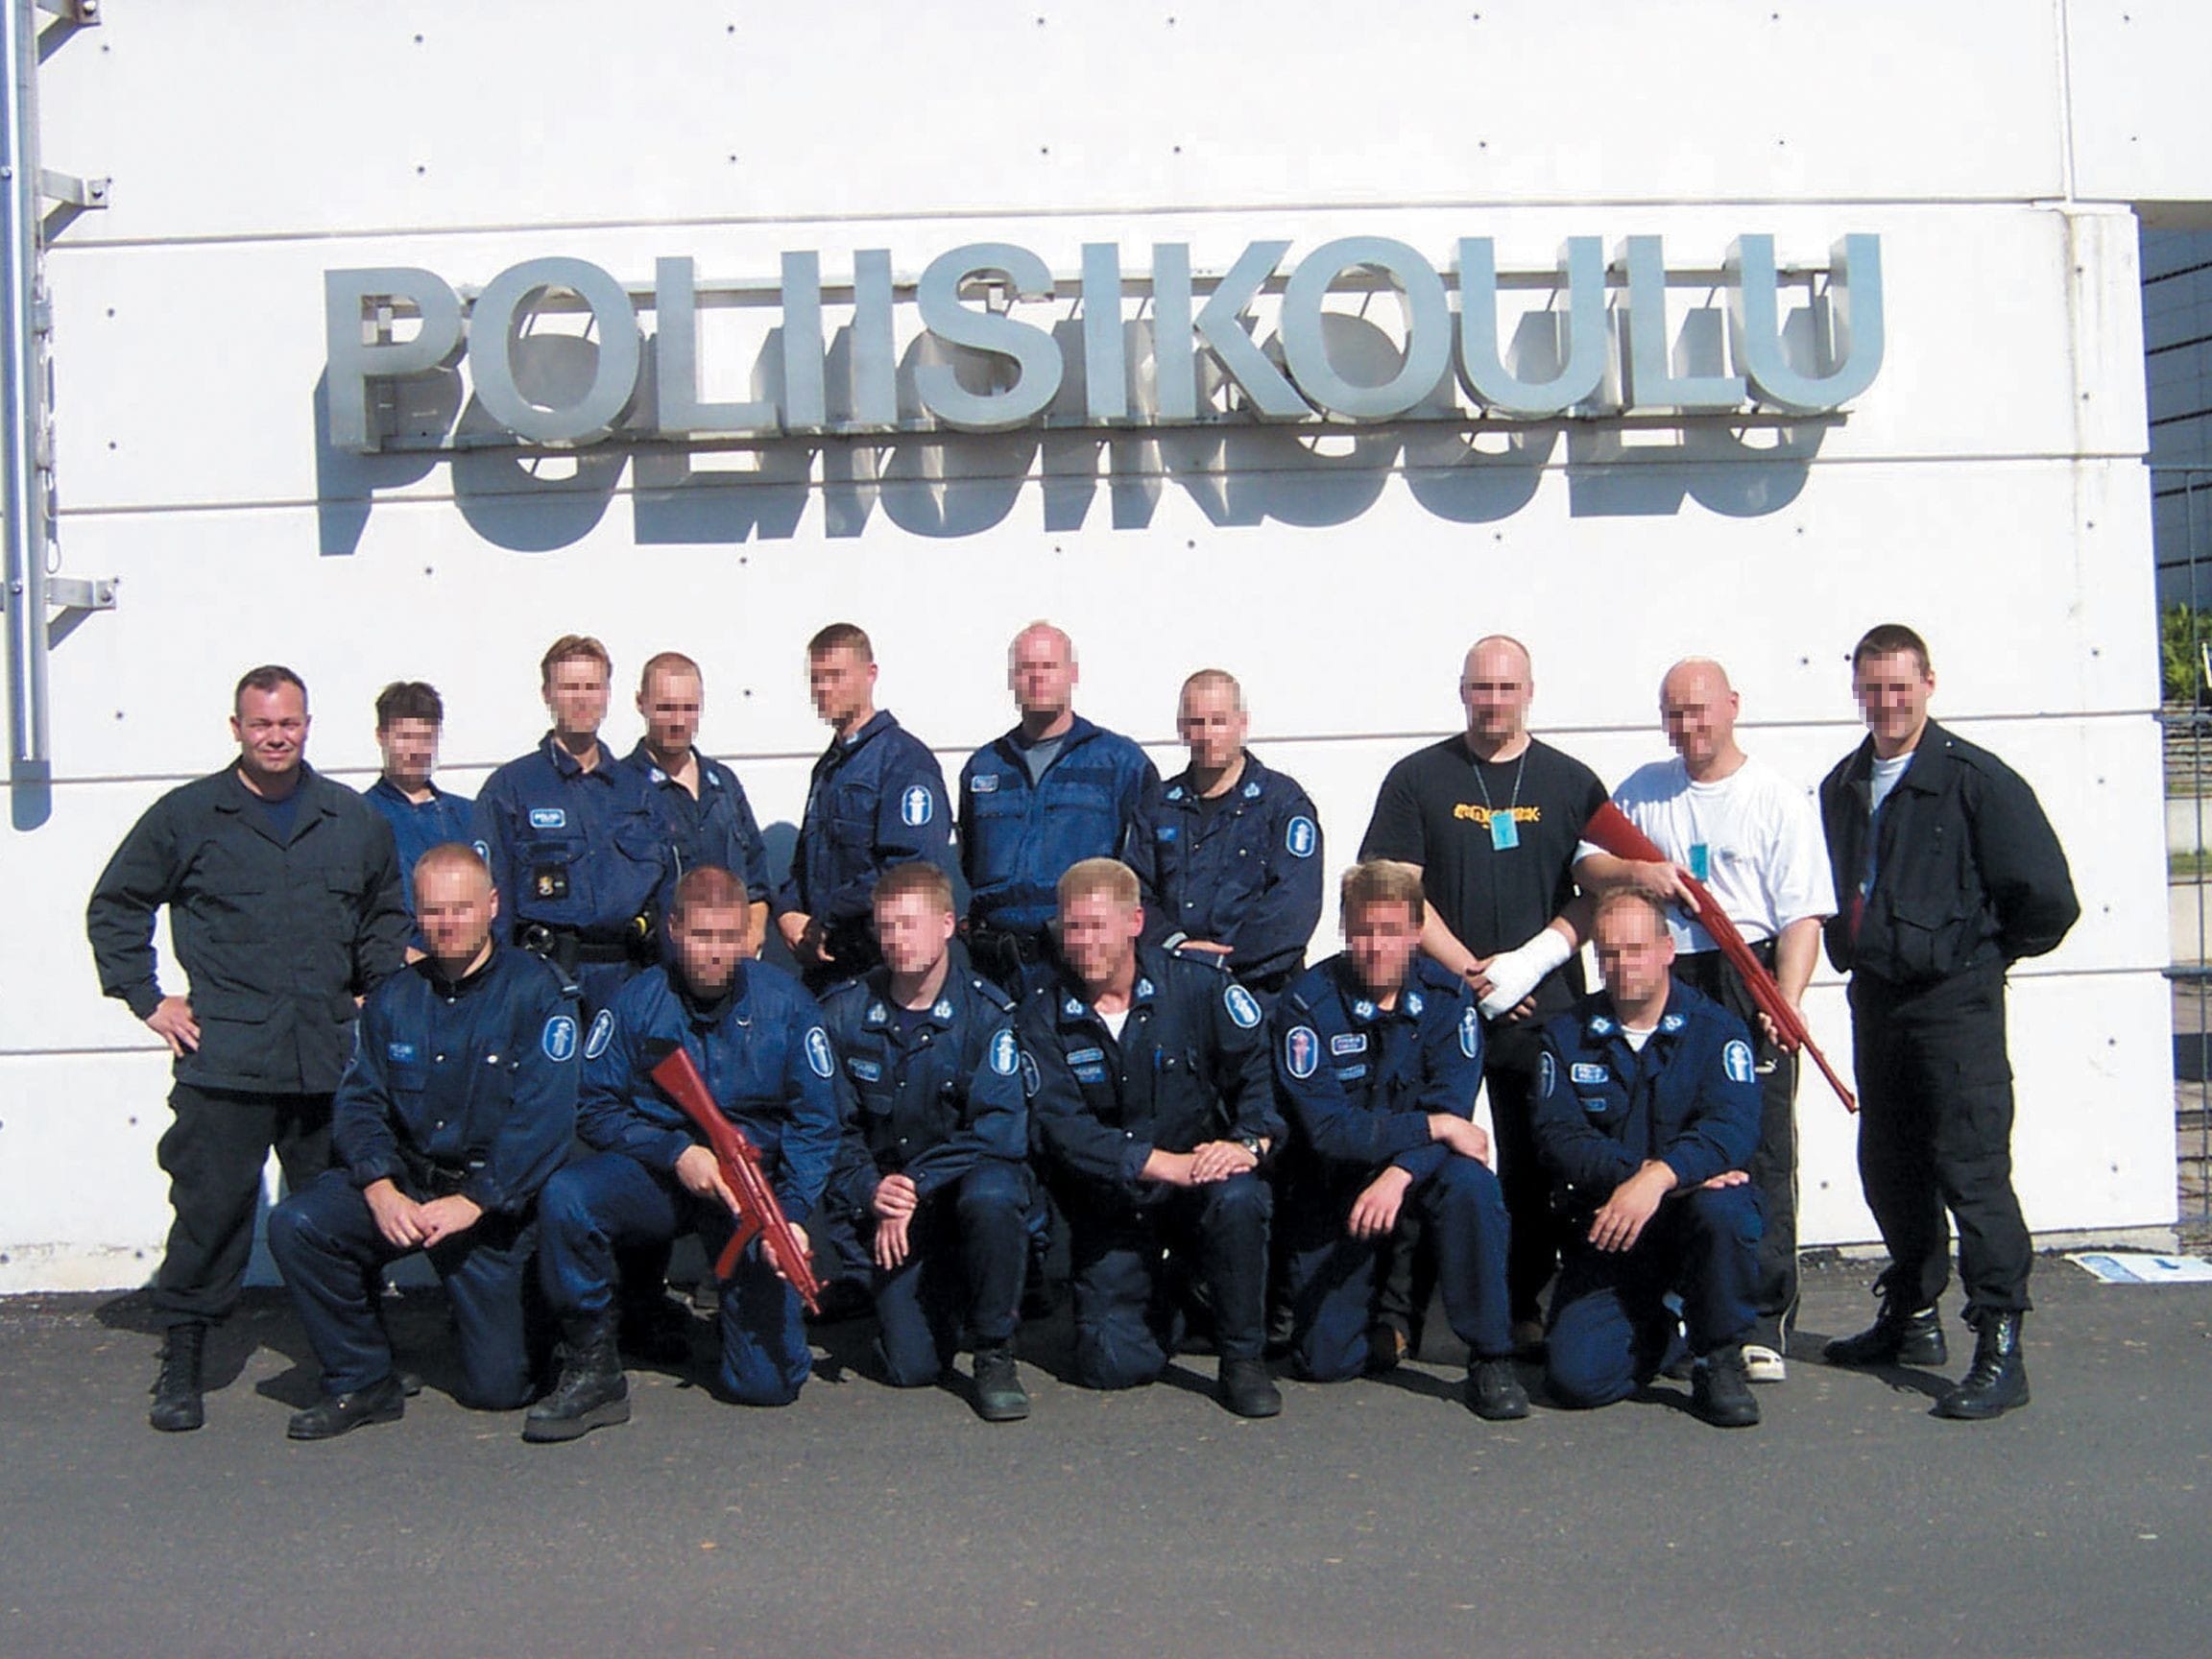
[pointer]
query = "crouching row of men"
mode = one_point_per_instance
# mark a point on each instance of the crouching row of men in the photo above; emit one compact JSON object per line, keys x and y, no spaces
{"x":1190,"y":1137}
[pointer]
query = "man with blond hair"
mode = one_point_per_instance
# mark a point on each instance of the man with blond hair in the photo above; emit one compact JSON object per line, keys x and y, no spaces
{"x":1154,"y":1113}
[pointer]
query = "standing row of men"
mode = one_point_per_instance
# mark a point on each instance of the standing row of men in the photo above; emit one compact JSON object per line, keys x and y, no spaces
{"x":582,"y":854}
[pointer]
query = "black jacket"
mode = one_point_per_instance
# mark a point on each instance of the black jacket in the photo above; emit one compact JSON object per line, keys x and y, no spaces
{"x":1967,"y":874}
{"x":276,"y":937}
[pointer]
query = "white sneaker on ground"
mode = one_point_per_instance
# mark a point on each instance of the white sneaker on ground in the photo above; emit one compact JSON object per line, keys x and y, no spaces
{"x":1762,"y":1365}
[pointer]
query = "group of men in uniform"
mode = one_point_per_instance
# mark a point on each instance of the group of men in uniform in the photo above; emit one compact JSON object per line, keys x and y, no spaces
{"x":1121,"y":1030}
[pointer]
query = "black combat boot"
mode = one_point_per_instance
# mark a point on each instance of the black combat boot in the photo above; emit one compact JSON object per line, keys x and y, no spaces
{"x":176,"y":1406}
{"x":1246,"y":1389}
{"x":1898,"y":1336}
{"x":1721,"y":1389}
{"x":593,"y":1392}
{"x":1494,"y":1390}
{"x":337,"y":1414}
{"x":999,"y":1397}
{"x":1997,"y":1380}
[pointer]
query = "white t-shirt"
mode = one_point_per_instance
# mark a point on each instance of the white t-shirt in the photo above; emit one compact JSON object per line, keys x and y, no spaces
{"x":1884,"y":779}
{"x":1765,"y":857}
{"x":1112,"y":1021}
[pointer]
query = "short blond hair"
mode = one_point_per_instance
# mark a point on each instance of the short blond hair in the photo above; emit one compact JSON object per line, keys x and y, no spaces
{"x":1095,"y":878}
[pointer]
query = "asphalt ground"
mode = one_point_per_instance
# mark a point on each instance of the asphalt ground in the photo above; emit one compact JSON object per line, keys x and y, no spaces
{"x":1376,"y":1516}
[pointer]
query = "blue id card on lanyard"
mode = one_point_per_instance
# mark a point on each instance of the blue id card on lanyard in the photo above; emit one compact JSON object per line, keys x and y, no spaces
{"x":1504,"y":831}
{"x":1701,"y":861}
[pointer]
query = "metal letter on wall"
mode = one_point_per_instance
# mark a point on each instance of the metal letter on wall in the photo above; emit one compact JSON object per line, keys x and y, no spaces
{"x":806,"y":402}
{"x":1851,"y":344}
{"x":491,"y":360}
{"x":1651,"y":382}
{"x":875,"y":345}
{"x":1220,"y":324}
{"x":1427,"y":327}
{"x":353,"y":360}
{"x":679,"y":410}
{"x":1582,"y":371}
{"x":1105,"y":364}
{"x":1034,"y":353}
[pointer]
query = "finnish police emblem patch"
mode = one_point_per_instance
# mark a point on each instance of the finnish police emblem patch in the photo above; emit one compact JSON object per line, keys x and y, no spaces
{"x":1547,"y":1076}
{"x":483,"y":850}
{"x":559,"y":1037}
{"x":818,"y":1052}
{"x":1030,"y":1081}
{"x":601,"y":1034}
{"x":1244,"y":1006}
{"x":1471,"y":1032}
{"x":1301,"y":1051}
{"x":1736,"y":1060}
{"x":916,"y":807}
{"x":549,"y":818}
{"x":1300,"y":836}
{"x":1005,"y":1054}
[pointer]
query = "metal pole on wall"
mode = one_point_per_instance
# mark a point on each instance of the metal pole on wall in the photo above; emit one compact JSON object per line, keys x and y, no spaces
{"x":22,"y":503}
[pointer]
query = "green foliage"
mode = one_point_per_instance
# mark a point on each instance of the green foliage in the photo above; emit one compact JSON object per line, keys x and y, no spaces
{"x":2183,"y":633}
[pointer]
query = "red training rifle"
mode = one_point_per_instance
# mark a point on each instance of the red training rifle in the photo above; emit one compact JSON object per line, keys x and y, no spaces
{"x":759,"y":1214}
{"x":1611,"y":830}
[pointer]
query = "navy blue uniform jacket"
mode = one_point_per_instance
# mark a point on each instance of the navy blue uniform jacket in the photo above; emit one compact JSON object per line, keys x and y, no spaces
{"x":717,"y":828}
{"x":1358,"y":1081}
{"x":1017,"y":841}
{"x":476,"y":1079}
{"x":929,"y":1110}
{"x":1247,"y":875}
{"x":1190,"y":1066}
{"x":571,"y":848}
{"x":1690,"y":1098}
{"x":873,"y":803}
{"x":768,"y":1062}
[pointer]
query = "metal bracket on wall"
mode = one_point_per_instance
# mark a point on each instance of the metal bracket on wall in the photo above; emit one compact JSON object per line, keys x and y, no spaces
{"x":85,"y":13}
{"x":71,"y":599}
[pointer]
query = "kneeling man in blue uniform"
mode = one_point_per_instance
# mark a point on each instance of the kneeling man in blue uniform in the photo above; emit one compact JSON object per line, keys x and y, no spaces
{"x":935,"y":1162}
{"x":757,"y":1040}
{"x":1647,"y":1113}
{"x":459,"y":1102}
{"x":1378,"y":1058}
{"x":1152,"y":1106}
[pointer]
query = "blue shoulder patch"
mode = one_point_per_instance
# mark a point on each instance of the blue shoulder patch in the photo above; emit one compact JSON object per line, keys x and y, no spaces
{"x":1301,"y":1051}
{"x":1244,"y":1007}
{"x":917,"y":807}
{"x":1300,"y":836}
{"x":1547,"y":1076}
{"x":818,"y":1052}
{"x":558,"y":1039}
{"x":601,"y":1034}
{"x":1005,"y":1054}
{"x":1736,"y":1060}
{"x":1471,"y":1031}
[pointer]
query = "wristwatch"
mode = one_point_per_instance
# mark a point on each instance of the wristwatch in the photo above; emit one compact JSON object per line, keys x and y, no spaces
{"x":1253,"y":1144}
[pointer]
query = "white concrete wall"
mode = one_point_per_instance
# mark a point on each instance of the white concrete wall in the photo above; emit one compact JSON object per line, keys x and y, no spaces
{"x":1988,"y":486}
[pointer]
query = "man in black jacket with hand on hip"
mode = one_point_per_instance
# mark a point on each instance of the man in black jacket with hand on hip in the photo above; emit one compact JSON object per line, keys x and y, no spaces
{"x":1946,"y":873}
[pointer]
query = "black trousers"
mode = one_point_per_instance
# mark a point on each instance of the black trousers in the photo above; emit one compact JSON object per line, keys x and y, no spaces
{"x":213,"y":1154}
{"x":1774,"y":1160}
{"x":1935,"y":1135}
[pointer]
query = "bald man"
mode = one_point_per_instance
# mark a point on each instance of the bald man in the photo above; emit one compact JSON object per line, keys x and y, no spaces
{"x":1753,"y":838}
{"x":1492,"y":818}
{"x":1051,"y":793}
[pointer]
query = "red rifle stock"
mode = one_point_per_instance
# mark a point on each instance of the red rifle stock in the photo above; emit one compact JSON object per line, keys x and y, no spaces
{"x":1611,"y":828}
{"x":759,"y":1214}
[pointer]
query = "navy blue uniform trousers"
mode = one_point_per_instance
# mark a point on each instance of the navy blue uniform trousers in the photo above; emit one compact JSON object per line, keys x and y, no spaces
{"x":967,"y":1249}
{"x":1334,"y":1296}
{"x":611,"y":1203}
{"x":327,"y":1242}
{"x":1611,"y":1330}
